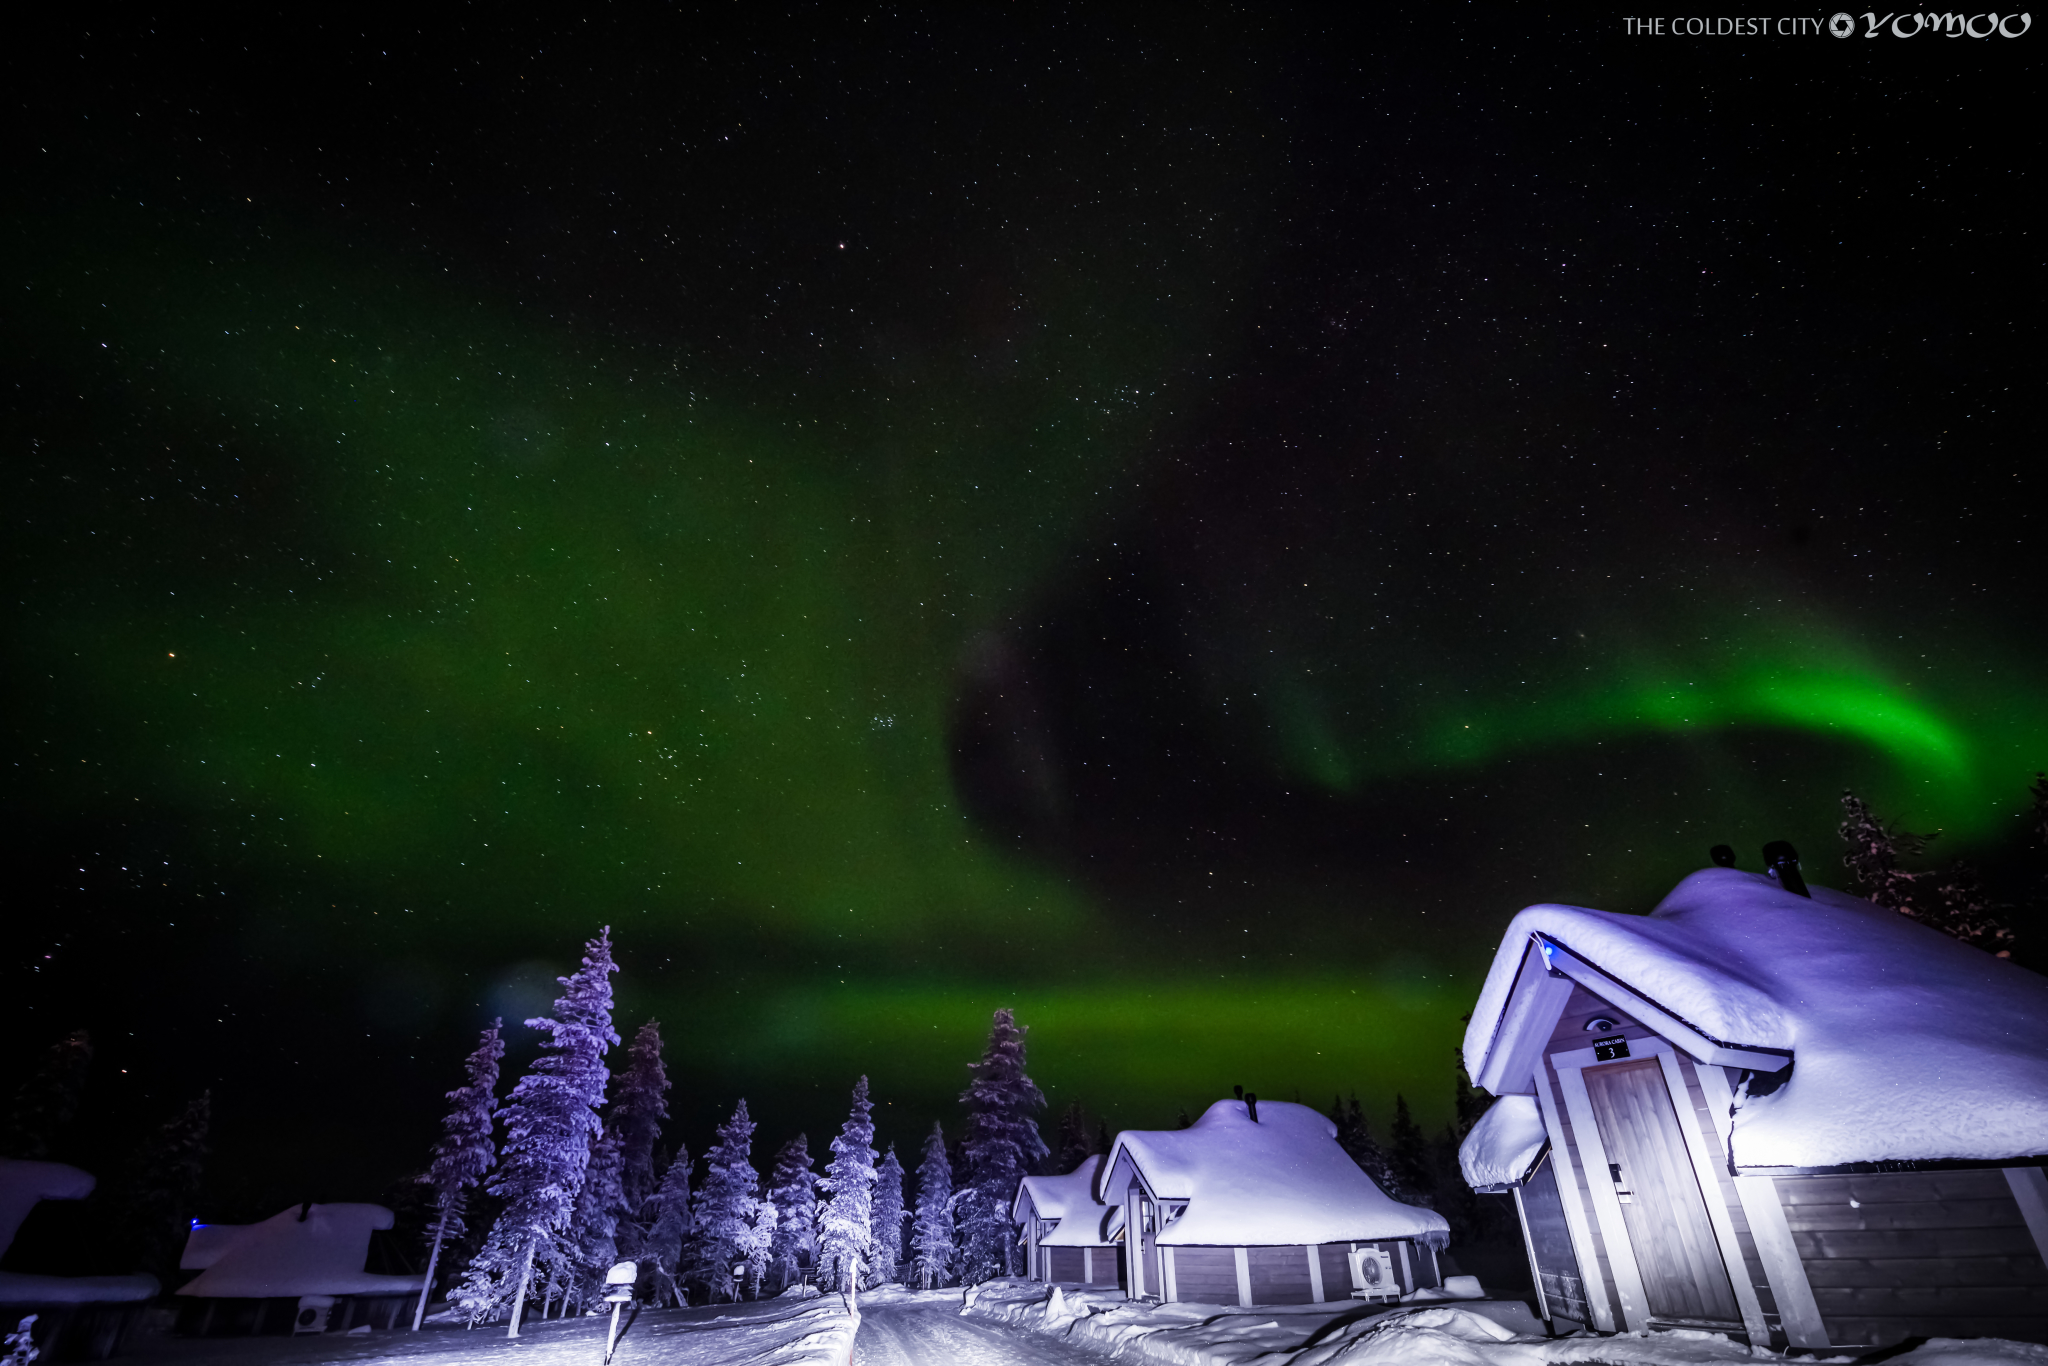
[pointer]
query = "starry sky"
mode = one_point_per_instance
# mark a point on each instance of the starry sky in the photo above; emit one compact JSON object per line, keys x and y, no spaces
{"x":1175,"y":520}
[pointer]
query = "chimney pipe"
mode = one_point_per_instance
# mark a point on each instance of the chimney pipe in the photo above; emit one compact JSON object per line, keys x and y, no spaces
{"x":1251,"y":1105}
{"x":1239,"y":1090}
{"x":1781,"y":861}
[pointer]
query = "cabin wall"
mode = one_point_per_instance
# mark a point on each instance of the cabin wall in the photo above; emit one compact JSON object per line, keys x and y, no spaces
{"x":1894,"y":1255}
{"x":1205,"y":1275}
{"x":1281,"y":1274}
{"x":1063,"y":1264}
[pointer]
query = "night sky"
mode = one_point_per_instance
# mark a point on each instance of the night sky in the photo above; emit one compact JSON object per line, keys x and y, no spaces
{"x":1176,"y":521}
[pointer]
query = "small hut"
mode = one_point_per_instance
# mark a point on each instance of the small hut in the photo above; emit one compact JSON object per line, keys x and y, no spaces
{"x":299,"y":1271}
{"x":78,"y":1318}
{"x":1256,"y":1204}
{"x":1803,"y":1119}
{"x":1063,"y":1228}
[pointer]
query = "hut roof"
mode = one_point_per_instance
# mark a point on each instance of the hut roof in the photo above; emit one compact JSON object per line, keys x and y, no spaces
{"x":1069,"y":1199}
{"x":1280,"y":1179}
{"x":1905,"y":1044}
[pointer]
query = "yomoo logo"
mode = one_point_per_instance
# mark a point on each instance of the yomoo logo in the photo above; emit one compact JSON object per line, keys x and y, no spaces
{"x":1947,"y":25}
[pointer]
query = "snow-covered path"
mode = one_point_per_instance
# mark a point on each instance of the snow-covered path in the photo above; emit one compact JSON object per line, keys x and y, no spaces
{"x":768,"y":1333}
{"x":928,"y":1330}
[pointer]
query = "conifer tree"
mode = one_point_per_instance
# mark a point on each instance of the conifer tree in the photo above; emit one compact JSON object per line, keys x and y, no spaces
{"x":1002,"y":1145}
{"x":551,"y":1120}
{"x":755,"y":1241}
{"x":793,"y":1186}
{"x":1953,"y":900}
{"x":464,"y":1153}
{"x":1354,"y":1136}
{"x":931,"y":1238}
{"x":846,"y":1223}
{"x":725,"y":1206}
{"x":639,"y":1105}
{"x":1408,"y":1156}
{"x":887,"y":1220}
{"x":1075,"y":1144}
{"x":153,"y":1212}
{"x":48,"y":1099}
{"x":595,"y":1224}
{"x":1871,"y":849}
{"x":669,"y":1224}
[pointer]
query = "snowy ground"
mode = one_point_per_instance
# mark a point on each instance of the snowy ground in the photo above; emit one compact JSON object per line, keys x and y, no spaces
{"x":770,"y":1333}
{"x":1019,"y":1323}
{"x":913,"y":1328}
{"x":1472,"y":1333}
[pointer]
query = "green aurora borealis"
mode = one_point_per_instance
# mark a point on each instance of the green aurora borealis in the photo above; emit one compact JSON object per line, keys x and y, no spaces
{"x":439,"y":627}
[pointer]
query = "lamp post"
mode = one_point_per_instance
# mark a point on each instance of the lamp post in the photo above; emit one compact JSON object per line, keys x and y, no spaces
{"x":618,"y":1293}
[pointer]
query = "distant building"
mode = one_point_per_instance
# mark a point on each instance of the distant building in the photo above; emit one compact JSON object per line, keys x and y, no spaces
{"x":1065,"y":1228}
{"x":77,"y":1317}
{"x":1808,"y":1121}
{"x":299,"y":1271}
{"x":1256,"y":1204}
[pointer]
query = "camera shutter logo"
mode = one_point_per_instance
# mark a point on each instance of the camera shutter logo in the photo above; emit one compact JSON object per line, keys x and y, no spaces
{"x":1842,"y":25}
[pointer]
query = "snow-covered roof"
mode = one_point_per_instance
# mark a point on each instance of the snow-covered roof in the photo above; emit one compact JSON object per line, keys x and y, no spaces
{"x":1503,"y":1143}
{"x":321,"y":1253}
{"x":1280,"y":1179}
{"x":1069,"y":1199}
{"x":22,"y":1184}
{"x":1905,"y":1043}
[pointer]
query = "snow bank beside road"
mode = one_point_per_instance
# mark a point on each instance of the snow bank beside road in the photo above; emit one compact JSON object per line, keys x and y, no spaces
{"x":1473,"y":1333}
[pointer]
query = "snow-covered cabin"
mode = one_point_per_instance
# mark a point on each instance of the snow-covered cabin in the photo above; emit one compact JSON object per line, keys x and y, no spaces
{"x":1807,"y":1120}
{"x":77,"y":1317}
{"x":1064,"y":1227}
{"x":1256,"y":1204}
{"x":301,"y":1270}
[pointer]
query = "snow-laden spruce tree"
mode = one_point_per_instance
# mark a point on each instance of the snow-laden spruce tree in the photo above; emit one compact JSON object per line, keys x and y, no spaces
{"x":464,"y":1153}
{"x":48,"y":1099}
{"x":1002,"y":1145}
{"x":845,"y":1224}
{"x":931,"y":1233}
{"x":668,"y":1226}
{"x":593,"y":1228}
{"x":754,"y":1242}
{"x":793,"y":1186}
{"x":886,"y":1232}
{"x":639,"y":1105}
{"x":1953,"y":900}
{"x":551,"y":1119}
{"x":725,"y":1207}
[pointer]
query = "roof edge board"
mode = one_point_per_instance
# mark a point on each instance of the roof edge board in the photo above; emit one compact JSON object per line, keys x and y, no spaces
{"x":1702,"y":1046}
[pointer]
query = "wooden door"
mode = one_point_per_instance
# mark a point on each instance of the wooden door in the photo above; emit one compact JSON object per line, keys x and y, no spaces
{"x":1680,"y":1260}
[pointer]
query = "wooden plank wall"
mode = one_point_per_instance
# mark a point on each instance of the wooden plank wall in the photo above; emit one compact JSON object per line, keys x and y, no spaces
{"x":1064,"y":1263}
{"x":1206,"y":1275}
{"x":1280,"y":1275}
{"x":1335,"y":1258}
{"x":1894,"y":1255}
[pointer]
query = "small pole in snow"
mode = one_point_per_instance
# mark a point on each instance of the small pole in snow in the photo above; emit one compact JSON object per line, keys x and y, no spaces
{"x":618,"y":1292}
